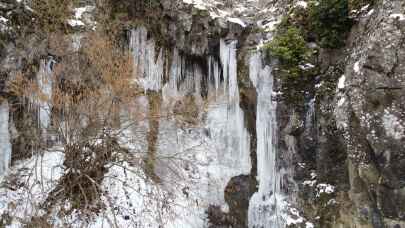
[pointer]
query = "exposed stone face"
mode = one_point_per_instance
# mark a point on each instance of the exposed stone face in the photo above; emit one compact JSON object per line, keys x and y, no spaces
{"x":374,"y":113}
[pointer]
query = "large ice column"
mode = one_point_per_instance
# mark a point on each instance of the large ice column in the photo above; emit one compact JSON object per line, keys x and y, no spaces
{"x":5,"y":144}
{"x":149,"y":67}
{"x":238,"y":139}
{"x":267,"y":205}
{"x":44,"y":78}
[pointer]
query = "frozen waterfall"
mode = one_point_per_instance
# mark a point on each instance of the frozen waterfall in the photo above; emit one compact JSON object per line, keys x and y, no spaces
{"x":216,"y":147}
{"x":5,"y":145}
{"x":267,"y":205}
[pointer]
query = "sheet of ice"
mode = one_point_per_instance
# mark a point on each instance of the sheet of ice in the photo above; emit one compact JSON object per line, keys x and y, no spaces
{"x":238,"y":139}
{"x":212,"y":152}
{"x":5,"y":144}
{"x":149,"y":65}
{"x":44,"y":78}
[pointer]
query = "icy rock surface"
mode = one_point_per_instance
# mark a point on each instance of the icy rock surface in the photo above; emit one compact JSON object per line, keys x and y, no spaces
{"x":5,"y":145}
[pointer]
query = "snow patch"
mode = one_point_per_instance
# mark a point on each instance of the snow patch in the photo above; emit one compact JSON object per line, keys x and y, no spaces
{"x":341,"y":101}
{"x":295,"y":217}
{"x":81,"y":10}
{"x":237,"y":21}
{"x":36,"y":178}
{"x":198,"y":4}
{"x":370,"y":13}
{"x":75,"y":23}
{"x":325,"y":188}
{"x":309,"y":225}
{"x":78,"y":16}
{"x":393,"y":126}
{"x":302,"y":4}
{"x":341,"y":83}
{"x":3,"y":19}
{"x":306,"y":66}
{"x":310,"y":183}
{"x":356,"y":67}
{"x":398,"y":16}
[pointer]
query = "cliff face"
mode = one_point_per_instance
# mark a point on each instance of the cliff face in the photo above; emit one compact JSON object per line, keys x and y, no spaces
{"x":334,"y":156}
{"x":356,"y":142}
{"x":371,"y":101}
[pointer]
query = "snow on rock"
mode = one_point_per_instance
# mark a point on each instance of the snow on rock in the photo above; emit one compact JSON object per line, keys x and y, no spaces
{"x":356,"y":67}
{"x":306,"y":66}
{"x":199,"y":4}
{"x":3,"y":19}
{"x":75,"y":22}
{"x":81,"y":10}
{"x":398,"y":16}
{"x":341,"y":101}
{"x":309,"y":225}
{"x":79,"y":19}
{"x":294,"y":217}
{"x":325,"y":188}
{"x":237,"y":21}
{"x":310,"y":183}
{"x":302,"y":4}
{"x":3,"y":24}
{"x":341,"y":83}
{"x":370,"y":12}
{"x":269,"y":25}
{"x":393,"y":126}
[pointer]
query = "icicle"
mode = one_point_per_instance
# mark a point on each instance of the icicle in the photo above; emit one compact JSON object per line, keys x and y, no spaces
{"x":216,"y":75}
{"x":310,"y":115}
{"x":5,"y":144}
{"x":224,"y":55}
{"x":213,"y":75}
{"x":238,"y":140}
{"x":44,"y":78}
{"x":175,"y":70}
{"x":149,"y":68}
{"x":267,"y":205}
